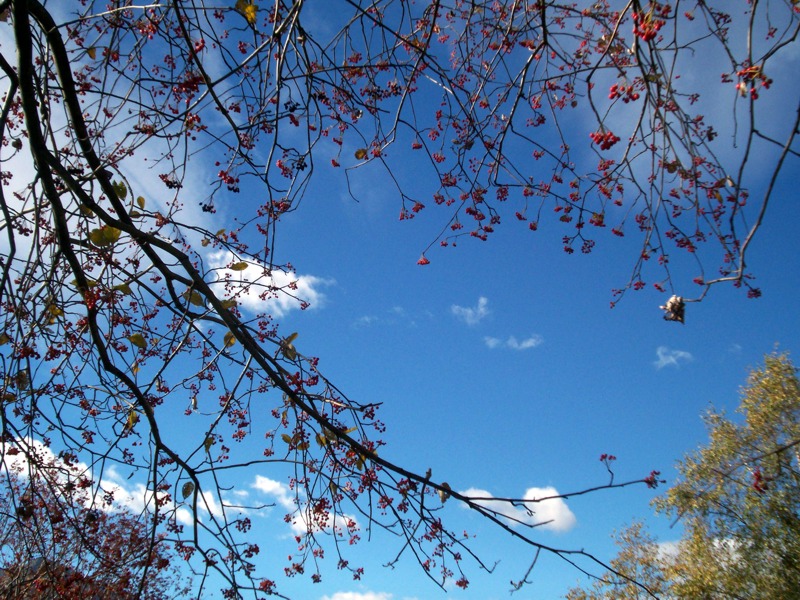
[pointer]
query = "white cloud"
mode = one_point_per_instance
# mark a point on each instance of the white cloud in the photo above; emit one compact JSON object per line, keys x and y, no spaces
{"x":472,"y":316}
{"x":132,"y":497}
{"x":552,"y":514}
{"x":513,"y":343}
{"x":280,"y":491}
{"x":303,"y":516}
{"x":674,"y":358}
{"x":358,"y":596}
{"x":260,"y":289}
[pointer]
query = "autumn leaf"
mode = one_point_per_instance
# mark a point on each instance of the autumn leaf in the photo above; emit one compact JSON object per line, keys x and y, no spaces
{"x":288,"y":349}
{"x":187,"y":489}
{"x":194,"y":297}
{"x":361,"y":153}
{"x":133,"y":418}
{"x":120,"y":189}
{"x":140,"y":201}
{"x":137,"y":339}
{"x":239,"y":266}
{"x":248,"y":10}
{"x":92,"y":52}
{"x":104,"y":236}
{"x":124,"y":288}
{"x":444,"y":493}
{"x":229,"y":339}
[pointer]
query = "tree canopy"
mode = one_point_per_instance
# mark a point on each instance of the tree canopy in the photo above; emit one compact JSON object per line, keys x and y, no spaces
{"x":738,"y":499}
{"x":125,"y":314}
{"x":57,"y":543}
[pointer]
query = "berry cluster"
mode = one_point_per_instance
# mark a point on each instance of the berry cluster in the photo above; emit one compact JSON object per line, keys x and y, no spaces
{"x":646,"y":26}
{"x":626,"y":92}
{"x":752,"y":77}
{"x":604,"y":139}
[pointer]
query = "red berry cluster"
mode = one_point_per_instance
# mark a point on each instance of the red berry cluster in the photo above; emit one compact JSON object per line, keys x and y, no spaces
{"x":645,"y":26}
{"x":626,"y":92}
{"x":752,"y":77}
{"x":604,"y":139}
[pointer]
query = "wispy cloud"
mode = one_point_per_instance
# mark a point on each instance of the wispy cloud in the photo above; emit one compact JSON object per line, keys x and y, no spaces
{"x":365,"y":321}
{"x":668,"y":357}
{"x":259,"y":289}
{"x":513,"y":343}
{"x":552,"y":514}
{"x":472,"y":315}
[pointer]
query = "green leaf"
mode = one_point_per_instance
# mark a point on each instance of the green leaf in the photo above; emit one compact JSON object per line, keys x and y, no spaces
{"x":239,"y":266}
{"x":285,"y":437}
{"x":140,"y":201}
{"x":4,"y":339}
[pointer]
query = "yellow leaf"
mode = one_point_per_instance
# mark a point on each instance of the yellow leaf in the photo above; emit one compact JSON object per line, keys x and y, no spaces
{"x":229,"y":339}
{"x":288,"y":349}
{"x":85,"y":210}
{"x":248,"y":10}
{"x":134,"y":214}
{"x":140,"y":201}
{"x":135,"y":368}
{"x":124,"y":288}
{"x":361,"y":153}
{"x":4,"y":339}
{"x":239,"y":266}
{"x":208,"y":442}
{"x":444,"y":494}
{"x":137,"y":339}
{"x":92,"y":52}
{"x":285,"y":437}
{"x":55,"y":310}
{"x":104,"y":236}
{"x":133,"y":418}
{"x":229,"y":303}
{"x":194,"y":298}
{"x":187,"y":489}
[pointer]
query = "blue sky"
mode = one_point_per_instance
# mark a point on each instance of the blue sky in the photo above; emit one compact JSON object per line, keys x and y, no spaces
{"x":563,"y":379}
{"x":501,"y":367}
